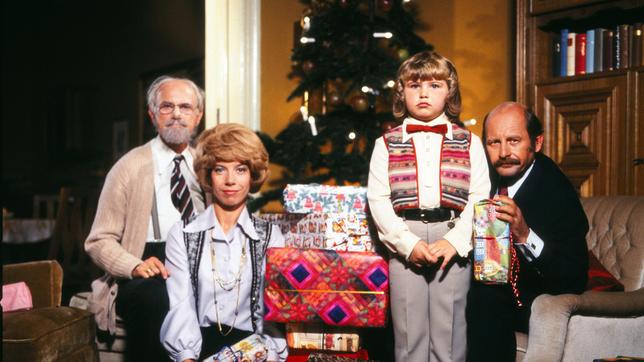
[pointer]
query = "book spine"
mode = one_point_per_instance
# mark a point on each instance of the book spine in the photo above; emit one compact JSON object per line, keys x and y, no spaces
{"x":556,"y":57}
{"x":636,"y":41}
{"x":563,"y":47}
{"x":625,"y":31}
{"x":617,"y":52}
{"x":590,"y":51}
{"x":608,"y":50}
{"x":570,"y":54}
{"x":580,"y":53}
{"x":599,"y":50}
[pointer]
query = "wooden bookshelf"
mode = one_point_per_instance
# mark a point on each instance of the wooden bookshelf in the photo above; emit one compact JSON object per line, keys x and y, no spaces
{"x":593,"y":122}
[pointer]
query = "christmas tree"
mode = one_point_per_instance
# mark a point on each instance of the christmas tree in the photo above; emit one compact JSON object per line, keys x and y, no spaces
{"x":346,"y":56}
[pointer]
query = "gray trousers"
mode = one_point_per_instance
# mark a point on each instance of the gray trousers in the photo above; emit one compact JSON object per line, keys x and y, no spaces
{"x":428,"y":304}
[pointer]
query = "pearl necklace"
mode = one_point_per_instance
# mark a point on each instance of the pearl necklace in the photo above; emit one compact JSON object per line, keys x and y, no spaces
{"x":227,"y":285}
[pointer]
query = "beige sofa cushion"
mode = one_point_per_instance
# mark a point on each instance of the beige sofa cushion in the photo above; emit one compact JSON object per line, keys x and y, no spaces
{"x":615,"y":236}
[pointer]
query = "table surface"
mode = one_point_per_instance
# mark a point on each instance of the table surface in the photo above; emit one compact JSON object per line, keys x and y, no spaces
{"x":23,"y":231}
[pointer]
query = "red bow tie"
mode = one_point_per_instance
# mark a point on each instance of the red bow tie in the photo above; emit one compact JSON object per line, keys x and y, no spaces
{"x":413,"y":128}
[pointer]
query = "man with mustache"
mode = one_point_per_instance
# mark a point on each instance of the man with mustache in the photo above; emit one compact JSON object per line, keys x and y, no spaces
{"x":548,"y":227}
{"x":147,"y":191}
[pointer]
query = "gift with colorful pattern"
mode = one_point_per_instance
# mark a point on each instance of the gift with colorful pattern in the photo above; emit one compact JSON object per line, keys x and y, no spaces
{"x":491,"y":244}
{"x":322,"y":337}
{"x":300,"y":230}
{"x":337,"y":231}
{"x":305,"y":199}
{"x":251,"y":349}
{"x":333,"y":287}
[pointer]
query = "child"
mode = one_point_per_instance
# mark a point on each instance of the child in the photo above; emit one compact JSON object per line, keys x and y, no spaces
{"x":424,"y":178}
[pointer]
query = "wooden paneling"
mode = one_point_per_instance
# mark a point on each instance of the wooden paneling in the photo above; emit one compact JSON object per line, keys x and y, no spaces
{"x":585,"y":122}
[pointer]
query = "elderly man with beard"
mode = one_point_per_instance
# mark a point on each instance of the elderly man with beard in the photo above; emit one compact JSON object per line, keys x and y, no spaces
{"x":147,"y":191}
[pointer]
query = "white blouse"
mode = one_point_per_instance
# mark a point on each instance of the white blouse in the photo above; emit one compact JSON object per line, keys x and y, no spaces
{"x":180,"y":332}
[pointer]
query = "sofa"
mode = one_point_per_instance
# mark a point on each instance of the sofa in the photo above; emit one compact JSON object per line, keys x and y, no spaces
{"x":48,"y":332}
{"x":598,"y":324}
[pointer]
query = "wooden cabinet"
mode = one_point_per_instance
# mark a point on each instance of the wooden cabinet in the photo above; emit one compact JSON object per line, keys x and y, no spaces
{"x":593,"y":122}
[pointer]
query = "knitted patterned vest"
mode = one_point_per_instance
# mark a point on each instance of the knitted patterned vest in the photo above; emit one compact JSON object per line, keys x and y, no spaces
{"x":454,"y":170}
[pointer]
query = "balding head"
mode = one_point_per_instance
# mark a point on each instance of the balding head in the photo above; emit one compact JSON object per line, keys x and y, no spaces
{"x":512,"y":134}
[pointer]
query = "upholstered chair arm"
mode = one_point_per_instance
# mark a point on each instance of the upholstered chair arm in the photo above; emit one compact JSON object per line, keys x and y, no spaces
{"x":551,"y":314}
{"x":44,"y":279}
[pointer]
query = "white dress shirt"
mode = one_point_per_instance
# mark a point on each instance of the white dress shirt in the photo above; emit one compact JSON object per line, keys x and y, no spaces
{"x":391,"y":228}
{"x":180,"y":333}
{"x":534,"y":244}
{"x":163,"y":166}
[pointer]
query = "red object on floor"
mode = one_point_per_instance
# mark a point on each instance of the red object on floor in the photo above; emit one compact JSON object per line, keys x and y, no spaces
{"x":295,"y":355}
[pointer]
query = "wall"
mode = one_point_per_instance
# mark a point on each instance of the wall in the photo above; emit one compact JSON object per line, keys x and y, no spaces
{"x":70,"y":69}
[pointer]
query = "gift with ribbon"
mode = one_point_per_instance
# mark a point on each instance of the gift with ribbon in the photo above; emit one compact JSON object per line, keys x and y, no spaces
{"x":491,"y":244}
{"x":337,"y":288}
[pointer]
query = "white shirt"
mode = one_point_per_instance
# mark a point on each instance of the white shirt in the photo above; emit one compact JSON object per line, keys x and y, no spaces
{"x":180,"y":333}
{"x":391,"y":228}
{"x":534,"y":244}
{"x":163,"y":157}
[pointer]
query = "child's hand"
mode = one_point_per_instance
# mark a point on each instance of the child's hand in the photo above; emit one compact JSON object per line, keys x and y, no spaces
{"x":421,"y":255}
{"x":442,"y":248}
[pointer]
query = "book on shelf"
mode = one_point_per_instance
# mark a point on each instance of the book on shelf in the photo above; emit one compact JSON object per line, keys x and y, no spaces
{"x":570,"y":54}
{"x":563,"y":47}
{"x":636,"y":45}
{"x":590,"y":51}
{"x":580,"y":53}
{"x":617,"y":54}
{"x":556,"y":57}
{"x":608,"y":50}
{"x":624,"y":31}
{"x":599,"y":49}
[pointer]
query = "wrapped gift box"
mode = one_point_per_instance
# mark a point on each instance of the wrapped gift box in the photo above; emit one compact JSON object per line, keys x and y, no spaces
{"x":337,"y":231}
{"x":251,"y":349}
{"x":305,"y":199}
{"x":321,"y":337}
{"x":300,"y":230}
{"x":491,"y":244}
{"x":333,"y":287}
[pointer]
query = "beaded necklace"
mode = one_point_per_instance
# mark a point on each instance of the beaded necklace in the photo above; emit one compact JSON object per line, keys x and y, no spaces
{"x":227,"y":285}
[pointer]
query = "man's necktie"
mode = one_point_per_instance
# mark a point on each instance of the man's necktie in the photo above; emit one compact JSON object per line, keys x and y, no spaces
{"x":514,"y":261}
{"x":413,"y":128}
{"x":179,"y":191}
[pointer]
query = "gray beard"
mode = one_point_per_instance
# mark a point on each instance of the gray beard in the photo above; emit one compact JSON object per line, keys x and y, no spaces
{"x":175,"y":136}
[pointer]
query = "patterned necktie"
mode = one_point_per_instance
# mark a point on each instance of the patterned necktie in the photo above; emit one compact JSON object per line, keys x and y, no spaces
{"x":514,"y":261}
{"x":413,"y":128}
{"x":179,"y":191}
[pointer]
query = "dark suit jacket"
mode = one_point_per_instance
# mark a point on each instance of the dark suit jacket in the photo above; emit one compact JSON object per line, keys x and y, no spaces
{"x":552,"y":210}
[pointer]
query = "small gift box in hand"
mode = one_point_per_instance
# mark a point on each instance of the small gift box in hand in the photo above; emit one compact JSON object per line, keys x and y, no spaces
{"x":491,"y":244}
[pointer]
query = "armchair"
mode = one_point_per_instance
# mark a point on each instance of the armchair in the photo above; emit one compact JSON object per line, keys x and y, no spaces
{"x":594,"y":324}
{"x":48,"y":332}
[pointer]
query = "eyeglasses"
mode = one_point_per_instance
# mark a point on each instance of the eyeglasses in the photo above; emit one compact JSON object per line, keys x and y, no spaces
{"x":185,"y":108}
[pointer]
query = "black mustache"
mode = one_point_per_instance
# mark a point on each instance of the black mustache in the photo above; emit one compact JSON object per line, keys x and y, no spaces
{"x":508,"y":161}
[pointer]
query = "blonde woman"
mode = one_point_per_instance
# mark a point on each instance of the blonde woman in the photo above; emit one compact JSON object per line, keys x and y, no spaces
{"x":216,"y":262}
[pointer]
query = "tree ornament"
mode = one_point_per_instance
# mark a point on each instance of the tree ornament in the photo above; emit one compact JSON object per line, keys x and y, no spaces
{"x":387,"y":125}
{"x":363,"y":7}
{"x":360,"y":103}
{"x":308,"y":66}
{"x":334,"y":99}
{"x":385,"y":5}
{"x":403,"y":54}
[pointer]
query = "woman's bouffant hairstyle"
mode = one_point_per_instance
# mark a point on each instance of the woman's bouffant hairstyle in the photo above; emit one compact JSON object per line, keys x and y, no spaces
{"x":428,"y":65}
{"x":228,"y":142}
